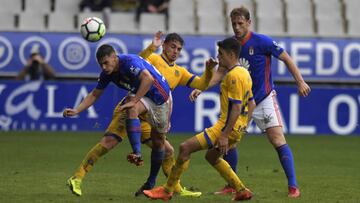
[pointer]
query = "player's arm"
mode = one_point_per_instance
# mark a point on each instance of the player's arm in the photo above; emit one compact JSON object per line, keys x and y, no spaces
{"x":155,"y":44}
{"x":303,"y":87}
{"x":89,"y":100}
{"x":202,"y":82}
{"x":146,"y":81}
{"x":216,"y":78}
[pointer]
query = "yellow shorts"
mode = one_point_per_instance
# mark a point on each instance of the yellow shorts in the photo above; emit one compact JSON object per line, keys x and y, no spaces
{"x":208,"y":137}
{"x":117,"y":126}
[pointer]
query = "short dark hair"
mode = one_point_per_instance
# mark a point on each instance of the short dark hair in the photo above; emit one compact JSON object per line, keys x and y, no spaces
{"x":174,"y":37}
{"x":104,"y":50}
{"x":230,"y":45}
{"x":241,"y":11}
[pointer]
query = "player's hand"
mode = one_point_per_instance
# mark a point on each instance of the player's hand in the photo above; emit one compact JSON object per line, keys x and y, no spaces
{"x":194,"y":94}
{"x":303,"y":89}
{"x":210,"y":63}
{"x":70,"y":112}
{"x":222,"y":143}
{"x":128,"y":104}
{"x":157,"y":39}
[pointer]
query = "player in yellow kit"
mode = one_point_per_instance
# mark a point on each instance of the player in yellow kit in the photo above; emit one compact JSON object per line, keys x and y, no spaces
{"x":237,"y":104}
{"x":116,"y":131}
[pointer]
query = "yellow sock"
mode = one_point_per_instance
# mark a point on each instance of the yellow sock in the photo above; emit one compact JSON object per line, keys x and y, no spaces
{"x":167,"y":165}
{"x":175,"y":174}
{"x":90,"y":159}
{"x":229,"y":175}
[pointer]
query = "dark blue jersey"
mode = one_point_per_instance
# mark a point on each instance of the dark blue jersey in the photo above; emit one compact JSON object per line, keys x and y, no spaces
{"x":130,"y":67}
{"x":255,"y":55}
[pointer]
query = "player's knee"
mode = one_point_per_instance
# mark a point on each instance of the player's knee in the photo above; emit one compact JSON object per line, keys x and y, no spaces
{"x":211,"y":159}
{"x":184,"y":150}
{"x":276,"y":136}
{"x":132,"y":113}
{"x":169,"y":150}
{"x":108,"y":141}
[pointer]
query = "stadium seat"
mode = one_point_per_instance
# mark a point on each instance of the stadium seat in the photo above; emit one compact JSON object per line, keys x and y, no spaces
{"x":11,"y":6}
{"x":271,"y":26}
{"x":270,"y":18}
{"x":206,"y":7}
{"x":58,"y":22}
{"x":328,"y":17}
{"x":182,"y":24}
{"x":269,"y":8}
{"x":9,"y":10}
{"x":352,"y":15}
{"x":231,"y":4}
{"x":330,"y":27}
{"x":7,"y":22}
{"x":40,"y":6}
{"x":182,"y":16}
{"x":300,"y":26}
{"x":67,"y":6}
{"x":31,"y":21}
{"x":147,"y":24}
{"x":122,"y":22}
{"x":300,"y":21}
{"x":212,"y":25}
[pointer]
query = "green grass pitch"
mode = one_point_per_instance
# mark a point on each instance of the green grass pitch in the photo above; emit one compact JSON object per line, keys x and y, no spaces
{"x":34,"y":167}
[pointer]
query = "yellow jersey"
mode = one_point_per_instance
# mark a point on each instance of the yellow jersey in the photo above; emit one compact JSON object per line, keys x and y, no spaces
{"x":173,"y":73}
{"x":235,"y":87}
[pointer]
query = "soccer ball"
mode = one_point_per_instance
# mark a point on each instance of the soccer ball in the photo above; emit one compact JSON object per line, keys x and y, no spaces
{"x":92,"y":29}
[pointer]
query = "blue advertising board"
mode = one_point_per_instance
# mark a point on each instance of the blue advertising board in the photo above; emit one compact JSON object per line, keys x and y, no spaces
{"x":319,"y":59}
{"x":38,"y":106}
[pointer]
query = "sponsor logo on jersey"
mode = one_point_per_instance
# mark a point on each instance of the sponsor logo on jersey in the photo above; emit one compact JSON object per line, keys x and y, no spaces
{"x":244,"y":63}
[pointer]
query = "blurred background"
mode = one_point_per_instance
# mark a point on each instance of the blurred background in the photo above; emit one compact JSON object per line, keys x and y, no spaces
{"x":322,"y":36}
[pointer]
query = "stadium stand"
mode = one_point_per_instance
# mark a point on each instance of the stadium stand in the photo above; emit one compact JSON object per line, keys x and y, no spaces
{"x":334,"y":18}
{"x":32,"y":21}
{"x":182,"y":16}
{"x":352,"y":16}
{"x":58,"y":22}
{"x":328,"y":17}
{"x":214,"y":23}
{"x":147,"y":25}
{"x":39,"y":6}
{"x":299,"y":18}
{"x":9,"y":11}
{"x":66,"y":6}
{"x":270,"y":17}
{"x":122,"y":22}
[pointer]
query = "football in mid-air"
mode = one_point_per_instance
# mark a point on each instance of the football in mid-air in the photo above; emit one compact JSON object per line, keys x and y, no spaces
{"x":92,"y":29}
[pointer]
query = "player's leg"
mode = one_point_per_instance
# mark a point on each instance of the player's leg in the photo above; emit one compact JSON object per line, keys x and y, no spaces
{"x":277,"y":139}
{"x":232,"y":159}
{"x":213,"y":156}
{"x":188,"y":147}
{"x":268,"y":110}
{"x":133,"y":128}
{"x":109,"y":141}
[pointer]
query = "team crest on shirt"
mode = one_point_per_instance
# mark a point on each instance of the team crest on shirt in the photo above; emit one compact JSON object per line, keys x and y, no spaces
{"x":244,"y":63}
{"x":233,"y":82}
{"x":277,"y":45}
{"x":177,"y":73}
{"x":134,"y":70}
{"x":251,"y":51}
